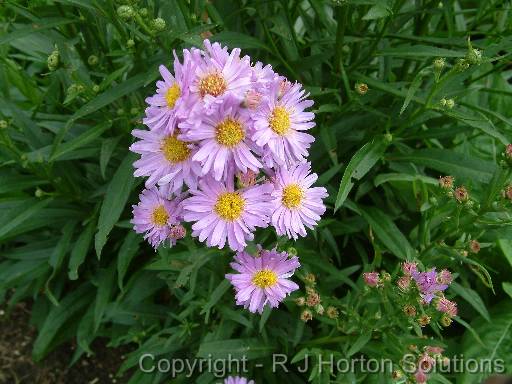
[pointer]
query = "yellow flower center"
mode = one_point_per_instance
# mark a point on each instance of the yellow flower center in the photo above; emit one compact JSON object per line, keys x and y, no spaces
{"x":175,"y":150}
{"x":212,"y":84}
{"x":229,"y":132}
{"x":172,"y":95}
{"x":229,"y":205}
{"x":160,"y":216}
{"x":264,"y":278}
{"x":292,"y":196}
{"x":280,"y":121}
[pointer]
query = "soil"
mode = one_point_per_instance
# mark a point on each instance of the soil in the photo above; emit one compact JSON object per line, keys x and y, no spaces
{"x":16,"y":366}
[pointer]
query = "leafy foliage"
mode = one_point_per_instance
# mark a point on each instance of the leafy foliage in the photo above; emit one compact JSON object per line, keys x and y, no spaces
{"x":391,"y":118}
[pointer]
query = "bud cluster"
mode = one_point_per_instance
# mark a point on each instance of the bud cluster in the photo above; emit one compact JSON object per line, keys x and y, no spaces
{"x":313,"y":301}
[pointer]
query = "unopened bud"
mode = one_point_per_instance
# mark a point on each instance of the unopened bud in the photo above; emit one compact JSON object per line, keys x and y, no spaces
{"x":474,"y":56}
{"x":396,"y":375}
{"x":130,"y":43}
{"x":125,"y":12}
{"x":508,"y":152}
{"x":319,"y":309}
{"x":442,"y":102}
{"x":143,"y":12}
{"x":177,"y":232}
{"x":120,"y":112}
{"x":313,"y":300}
{"x":361,"y":88}
{"x":424,"y":320}
{"x":409,"y":310}
{"x":332,"y":313}
{"x":310,"y":278}
{"x":446,"y":182}
{"x":158,"y":24}
{"x":508,"y":192}
{"x":301,"y":301}
{"x":474,"y":246}
{"x":461,"y":194}
{"x":439,"y":63}
{"x":3,"y":124}
{"x":39,"y":193}
{"x":95,"y":88}
{"x":450,"y":103}
{"x":462,"y":65}
{"x":53,"y":60}
{"x":134,"y":111}
{"x":291,"y":251}
{"x":92,"y":60}
{"x":306,"y":315}
{"x":446,"y":321}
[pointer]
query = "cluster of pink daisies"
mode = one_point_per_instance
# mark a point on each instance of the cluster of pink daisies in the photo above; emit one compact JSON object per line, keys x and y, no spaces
{"x":225,"y":150}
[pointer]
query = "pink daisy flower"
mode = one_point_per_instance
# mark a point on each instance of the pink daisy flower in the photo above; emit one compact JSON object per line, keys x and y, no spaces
{"x":263,"y":279}
{"x":237,"y":380}
{"x":171,"y":100}
{"x":296,"y":204}
{"x":219,"y":74}
{"x":224,"y":141}
{"x":165,"y":159}
{"x":155,"y":214}
{"x":222,"y":214}
{"x":280,"y":122}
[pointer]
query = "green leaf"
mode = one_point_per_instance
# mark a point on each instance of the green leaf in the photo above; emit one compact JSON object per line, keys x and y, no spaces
{"x":415,"y":85}
{"x":20,"y":218}
{"x":420,"y":51}
{"x":506,"y":248}
{"x":378,"y":11}
{"x":126,"y":253}
{"x":216,"y":295}
{"x":364,"y":159}
{"x":79,"y":141}
{"x":360,"y":342}
{"x":80,"y":250}
{"x":387,"y":232}
{"x":387,"y":177}
{"x":241,"y":40}
{"x":115,"y":200}
{"x":507,"y":287}
{"x":106,"y":280}
{"x":472,"y":298}
{"x":57,"y":318}
{"x":235,"y":348}
{"x":450,"y":163}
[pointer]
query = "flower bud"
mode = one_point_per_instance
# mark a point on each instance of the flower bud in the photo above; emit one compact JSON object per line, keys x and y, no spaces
{"x":92,"y":60}
{"x":313,"y":300}
{"x":409,"y":310}
{"x":130,"y":43}
{"x":461,"y":65}
{"x":439,"y":63}
{"x":306,"y":315}
{"x":508,"y":151}
{"x":404,"y":282}
{"x":371,"y":278}
{"x":332,"y":313}
{"x":53,"y":60}
{"x":474,"y":56}
{"x":125,"y":12}
{"x":134,"y":111}
{"x":474,"y":246}
{"x":461,"y":194}
{"x":442,"y":102}
{"x":301,"y":301}
{"x":361,"y":88}
{"x":39,"y":193}
{"x":158,"y":24}
{"x":120,"y":112}
{"x":446,"y":182}
{"x":424,"y":320}
{"x":508,"y":192}
{"x":319,"y":309}
{"x":3,"y":124}
{"x":143,"y":12}
{"x":397,"y":375}
{"x":310,"y":278}
{"x":409,"y":267}
{"x":291,"y":251}
{"x":177,"y":232}
{"x":446,"y":321}
{"x":450,"y":103}
{"x":95,"y":88}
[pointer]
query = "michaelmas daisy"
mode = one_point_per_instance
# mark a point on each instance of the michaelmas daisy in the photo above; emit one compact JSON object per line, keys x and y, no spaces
{"x":296,"y":204}
{"x":237,"y":380}
{"x":222,"y":214}
{"x":155,"y":216}
{"x":263,"y":280}
{"x":224,"y":141}
{"x":280,"y":121}
{"x":165,"y":159}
